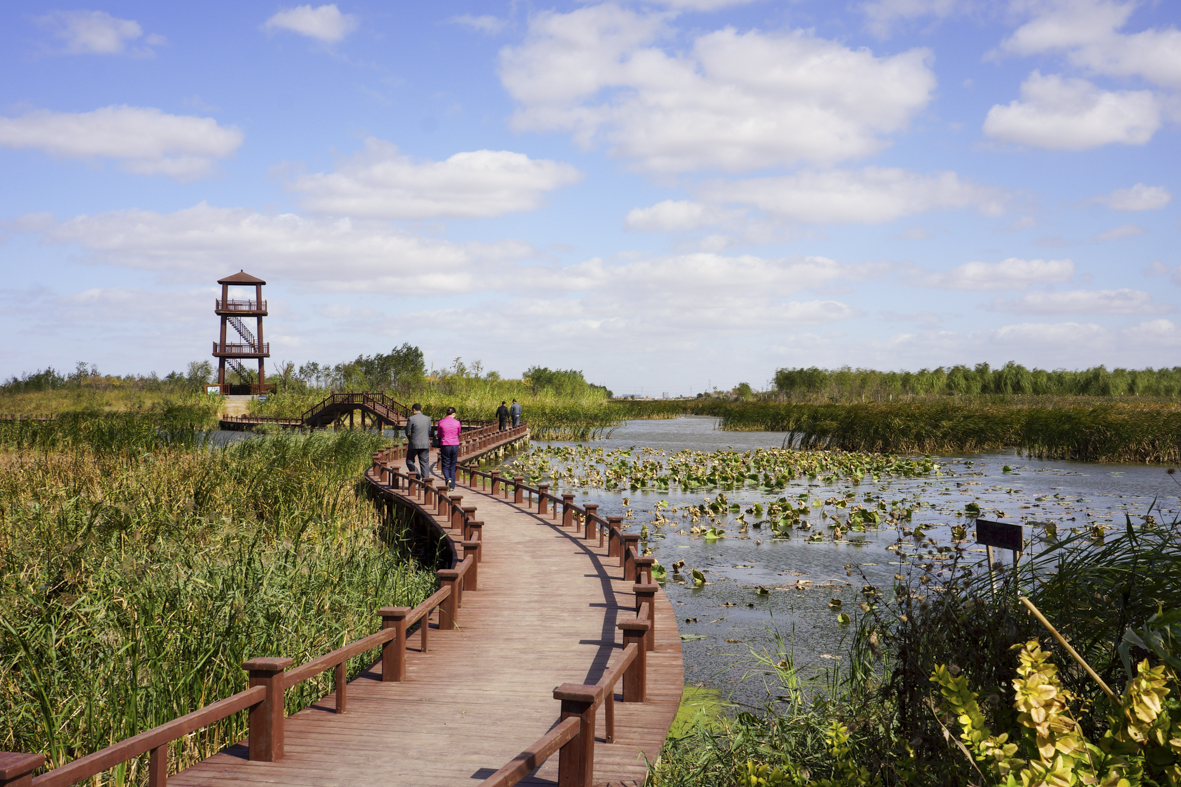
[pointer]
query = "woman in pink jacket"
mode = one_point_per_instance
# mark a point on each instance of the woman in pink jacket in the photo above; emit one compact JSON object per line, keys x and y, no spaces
{"x":449,"y":429}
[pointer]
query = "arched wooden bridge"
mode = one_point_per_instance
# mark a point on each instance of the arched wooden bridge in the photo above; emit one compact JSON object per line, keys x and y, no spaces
{"x":383,"y":410}
{"x":547,"y":656}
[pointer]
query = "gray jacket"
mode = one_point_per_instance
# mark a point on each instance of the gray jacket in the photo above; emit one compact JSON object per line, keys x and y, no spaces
{"x":418,"y":431}
{"x":515,"y":410}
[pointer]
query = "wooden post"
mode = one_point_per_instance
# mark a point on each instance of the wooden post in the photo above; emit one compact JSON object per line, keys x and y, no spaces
{"x":644,"y":569}
{"x":158,"y":766}
{"x":542,"y":500}
{"x":635,"y":678}
{"x":16,"y":768}
{"x":266,"y":718}
{"x":614,"y":528}
{"x":449,"y":609}
{"x":495,"y":483}
{"x":469,"y":513}
{"x":576,"y":760}
{"x":567,"y":510}
{"x":518,"y":493}
{"x":473,"y":574}
{"x":457,"y":513}
{"x":628,"y":543}
{"x":342,"y":686}
{"x":443,"y":498}
{"x":592,"y":511}
{"x":475,"y":529}
{"x":428,"y":492}
{"x":393,"y":652}
{"x":646,"y":594}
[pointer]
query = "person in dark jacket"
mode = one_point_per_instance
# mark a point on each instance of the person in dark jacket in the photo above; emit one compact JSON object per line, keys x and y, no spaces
{"x":502,"y":416}
{"x":515,"y":412}
{"x":418,"y":442}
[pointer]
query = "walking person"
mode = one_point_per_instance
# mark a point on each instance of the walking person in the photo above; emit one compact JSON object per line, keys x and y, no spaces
{"x":515,"y":412}
{"x":449,"y":429}
{"x":418,"y":442}
{"x":502,"y":416}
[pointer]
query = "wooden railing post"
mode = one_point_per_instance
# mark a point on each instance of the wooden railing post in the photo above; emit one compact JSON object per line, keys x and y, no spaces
{"x":635,"y":678}
{"x":475,"y":532}
{"x":457,"y":513}
{"x":643,"y":565}
{"x":469,"y":514}
{"x":592,"y":511}
{"x":518,"y":492}
{"x":449,"y":609}
{"x":393,"y":652}
{"x":576,"y":760}
{"x":646,"y":593}
{"x":495,"y":483}
{"x":567,"y":510}
{"x":473,"y":574}
{"x":266,"y":718}
{"x":473,"y":478}
{"x":443,"y":508}
{"x":16,"y":768}
{"x":428,"y":492}
{"x":628,"y":545}
{"x":542,"y":500}
{"x":614,"y":528}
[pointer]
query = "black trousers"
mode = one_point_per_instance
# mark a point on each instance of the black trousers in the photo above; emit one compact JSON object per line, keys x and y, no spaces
{"x":423,"y":457}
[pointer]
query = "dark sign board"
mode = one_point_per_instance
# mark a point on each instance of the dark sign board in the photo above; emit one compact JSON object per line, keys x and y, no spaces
{"x":999,"y":534}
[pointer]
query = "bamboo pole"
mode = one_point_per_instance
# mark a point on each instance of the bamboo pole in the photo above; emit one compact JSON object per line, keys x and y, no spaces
{"x":1061,"y":641}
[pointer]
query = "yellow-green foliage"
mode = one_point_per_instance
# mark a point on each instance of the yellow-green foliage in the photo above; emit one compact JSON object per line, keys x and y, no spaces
{"x":1141,"y":746}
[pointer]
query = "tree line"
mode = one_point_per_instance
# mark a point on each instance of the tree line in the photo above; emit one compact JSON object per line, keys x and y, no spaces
{"x":1011,"y":379}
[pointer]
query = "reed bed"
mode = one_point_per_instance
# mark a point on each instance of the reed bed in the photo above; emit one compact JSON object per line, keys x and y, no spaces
{"x":93,"y":400}
{"x":136,"y":574}
{"x":1084,"y":429}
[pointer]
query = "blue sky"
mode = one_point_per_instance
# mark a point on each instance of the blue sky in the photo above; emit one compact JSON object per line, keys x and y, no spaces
{"x":666,"y":195}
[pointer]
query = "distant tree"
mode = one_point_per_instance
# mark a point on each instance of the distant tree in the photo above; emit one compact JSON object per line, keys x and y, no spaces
{"x":402,"y":369}
{"x":199,"y":374}
{"x":744,"y":390}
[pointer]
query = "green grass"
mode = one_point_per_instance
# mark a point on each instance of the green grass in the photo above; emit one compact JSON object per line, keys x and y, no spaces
{"x":134,"y":582}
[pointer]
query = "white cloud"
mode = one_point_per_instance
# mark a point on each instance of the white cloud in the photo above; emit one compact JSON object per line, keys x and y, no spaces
{"x":96,"y":33}
{"x":733,"y":101}
{"x":1154,"y":333}
{"x":676,"y":216}
{"x":1138,"y":197}
{"x":883,"y":16}
{"x":324,"y":23}
{"x":145,"y":140}
{"x":872,"y":195}
{"x":1072,"y":114}
{"x":1122,"y":231}
{"x":485,"y":23}
{"x":326,"y":254}
{"x":1010,"y":274}
{"x":1122,"y":301}
{"x":701,"y":5}
{"x":1086,"y":32}
{"x":381,"y":182}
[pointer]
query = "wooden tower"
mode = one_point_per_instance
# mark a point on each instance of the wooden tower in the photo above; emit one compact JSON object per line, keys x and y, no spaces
{"x":232,"y":312}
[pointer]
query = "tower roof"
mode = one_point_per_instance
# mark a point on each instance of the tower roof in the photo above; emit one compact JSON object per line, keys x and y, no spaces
{"x":241,"y":277}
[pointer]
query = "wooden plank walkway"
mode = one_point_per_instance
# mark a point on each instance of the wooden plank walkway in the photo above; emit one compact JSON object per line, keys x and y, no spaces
{"x":545,"y":614}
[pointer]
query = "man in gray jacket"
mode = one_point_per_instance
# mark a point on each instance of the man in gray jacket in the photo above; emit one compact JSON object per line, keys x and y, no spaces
{"x":515,"y":412}
{"x":418,"y":442}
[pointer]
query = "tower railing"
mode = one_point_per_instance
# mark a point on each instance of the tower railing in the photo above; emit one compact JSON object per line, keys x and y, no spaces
{"x":241,"y":349}
{"x":239,"y":306}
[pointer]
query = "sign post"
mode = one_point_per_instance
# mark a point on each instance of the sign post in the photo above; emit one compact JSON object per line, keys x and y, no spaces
{"x":1002,"y":536}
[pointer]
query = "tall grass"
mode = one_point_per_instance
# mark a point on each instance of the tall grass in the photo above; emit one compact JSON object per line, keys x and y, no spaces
{"x":133,"y":583}
{"x":91,"y":400}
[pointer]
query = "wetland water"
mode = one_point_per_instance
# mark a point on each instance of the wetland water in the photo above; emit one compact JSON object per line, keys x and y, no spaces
{"x":721,"y":621}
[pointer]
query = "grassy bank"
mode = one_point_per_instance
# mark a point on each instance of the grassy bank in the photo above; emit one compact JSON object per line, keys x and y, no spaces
{"x":92,"y":400}
{"x":945,"y":682}
{"x":137,"y":573}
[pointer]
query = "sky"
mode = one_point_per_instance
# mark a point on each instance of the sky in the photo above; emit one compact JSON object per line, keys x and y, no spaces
{"x":670,"y":196}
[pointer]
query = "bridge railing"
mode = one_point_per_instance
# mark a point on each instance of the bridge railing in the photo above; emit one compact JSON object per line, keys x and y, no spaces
{"x":573,"y":738}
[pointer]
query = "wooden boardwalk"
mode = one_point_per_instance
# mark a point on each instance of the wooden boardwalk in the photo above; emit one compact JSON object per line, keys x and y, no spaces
{"x":545,"y":614}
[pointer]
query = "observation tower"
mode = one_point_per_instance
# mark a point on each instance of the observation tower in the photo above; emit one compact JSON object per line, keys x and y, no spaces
{"x":232,"y":313}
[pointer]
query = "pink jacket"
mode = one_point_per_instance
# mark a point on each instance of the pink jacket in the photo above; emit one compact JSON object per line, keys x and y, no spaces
{"x":449,"y":428}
